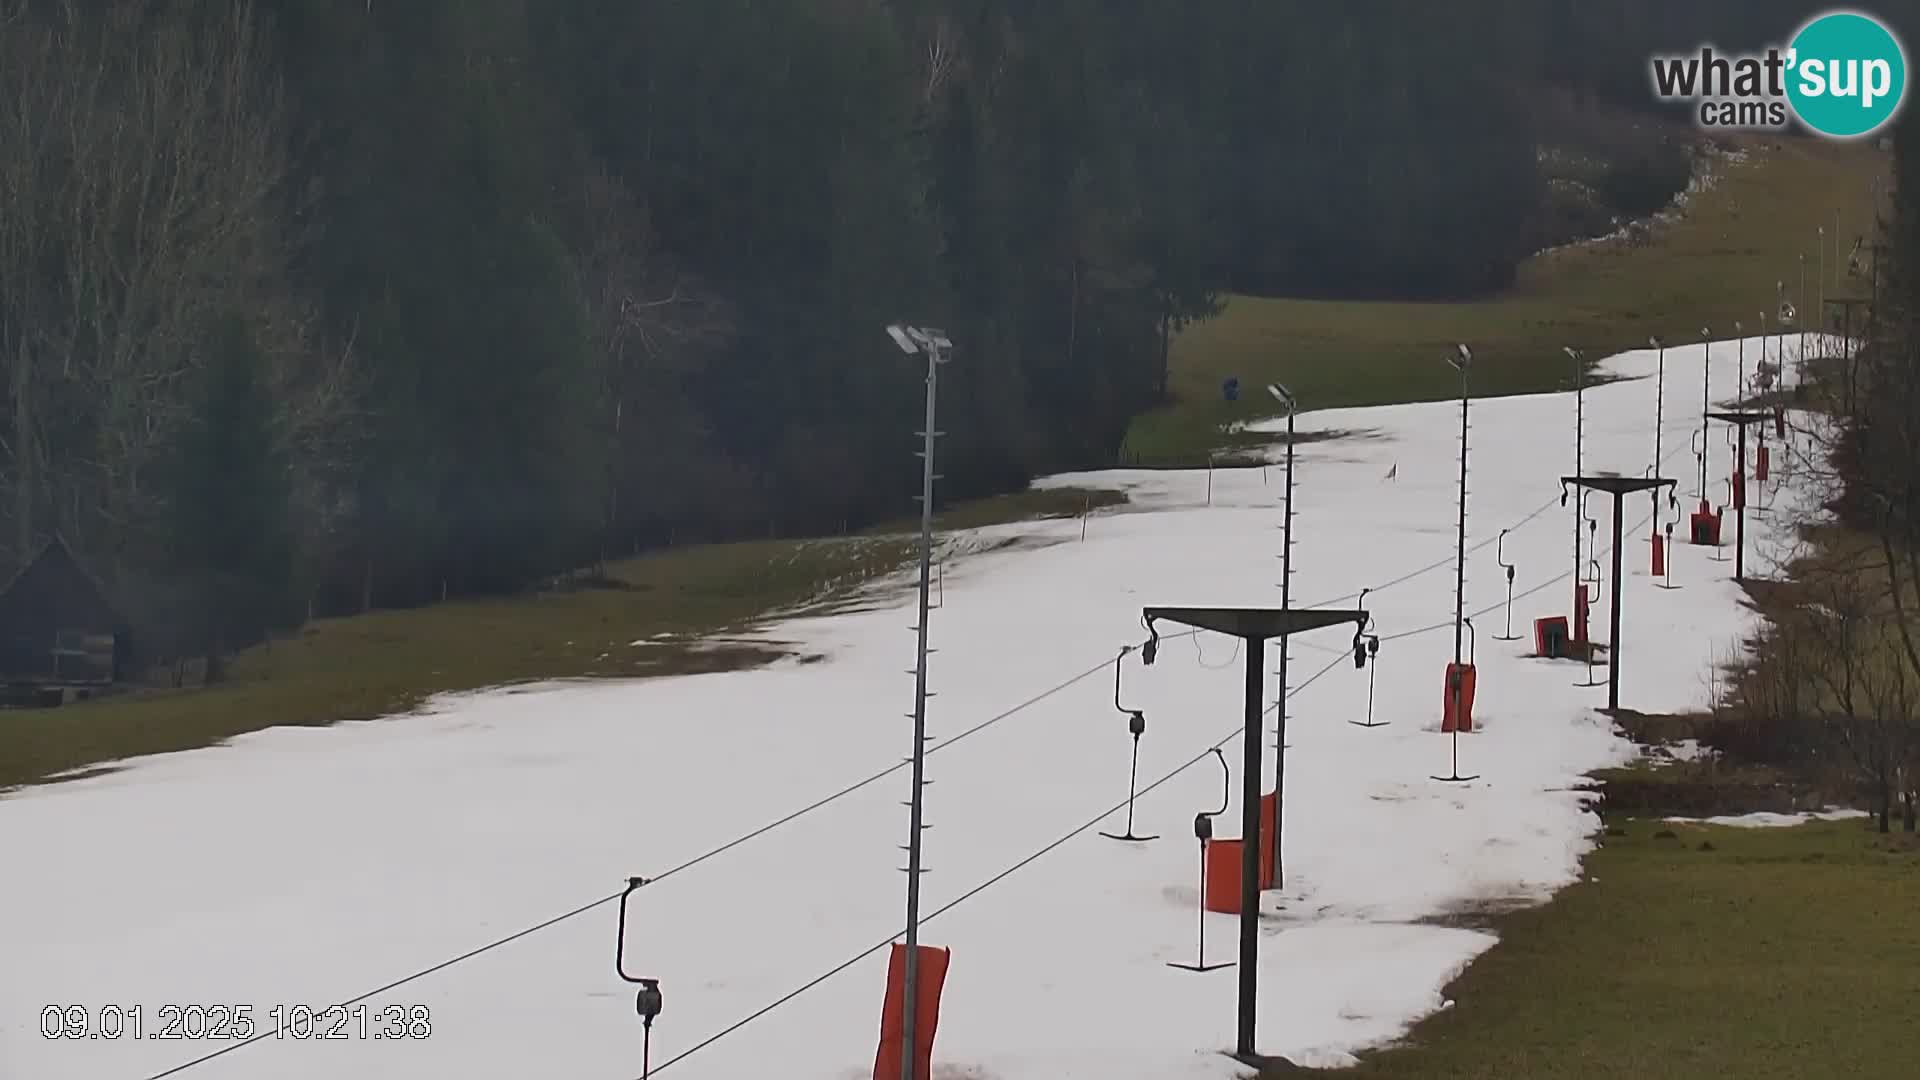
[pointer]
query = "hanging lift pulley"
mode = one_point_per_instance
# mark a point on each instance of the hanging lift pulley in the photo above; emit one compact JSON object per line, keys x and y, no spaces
{"x":1594,"y":566}
{"x":1500,"y":556}
{"x":1203,"y":832}
{"x":1136,"y":726}
{"x":648,"y":1001}
{"x":1366,"y":654}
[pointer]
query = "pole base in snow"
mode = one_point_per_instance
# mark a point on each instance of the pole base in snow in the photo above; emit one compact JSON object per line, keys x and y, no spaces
{"x":1265,"y":1061}
{"x":1369,"y":723}
{"x":1455,"y":779}
{"x":1200,"y":967}
{"x":1130,"y":838}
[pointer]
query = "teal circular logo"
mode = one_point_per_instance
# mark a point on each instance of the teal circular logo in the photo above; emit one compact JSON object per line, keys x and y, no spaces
{"x":1847,"y":74}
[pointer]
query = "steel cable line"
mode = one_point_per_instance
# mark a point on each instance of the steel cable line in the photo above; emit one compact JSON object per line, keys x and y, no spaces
{"x":1050,"y":847}
{"x":1076,"y":831}
{"x":687,"y":865}
{"x":857,"y":786}
{"x":1116,"y":808}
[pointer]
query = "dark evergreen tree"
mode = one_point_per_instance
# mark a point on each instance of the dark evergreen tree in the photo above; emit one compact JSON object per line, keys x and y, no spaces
{"x":226,"y":529}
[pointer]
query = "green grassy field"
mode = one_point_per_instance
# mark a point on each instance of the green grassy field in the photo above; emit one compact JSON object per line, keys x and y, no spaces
{"x":1756,"y":954}
{"x":372,"y":665}
{"x":1718,"y":263}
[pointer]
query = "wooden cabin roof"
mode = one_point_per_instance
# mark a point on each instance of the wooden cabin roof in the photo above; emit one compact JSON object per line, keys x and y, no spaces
{"x":54,"y":589}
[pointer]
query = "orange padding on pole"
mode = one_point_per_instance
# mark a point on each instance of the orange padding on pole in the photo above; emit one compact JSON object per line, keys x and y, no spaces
{"x":932,"y":976}
{"x":1464,"y":720}
{"x":1761,"y":465}
{"x":1269,"y":804}
{"x":1223,"y":876}
{"x":1223,"y":864}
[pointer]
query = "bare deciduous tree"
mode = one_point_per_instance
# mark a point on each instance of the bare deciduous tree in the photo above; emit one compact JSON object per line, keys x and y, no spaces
{"x":142,"y":185}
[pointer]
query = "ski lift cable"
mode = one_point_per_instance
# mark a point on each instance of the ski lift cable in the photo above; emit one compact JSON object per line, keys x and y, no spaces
{"x":1440,"y":564}
{"x":1075,"y":832}
{"x":687,"y":865}
{"x":1449,"y":560}
{"x":848,"y":790}
{"x":996,"y":879}
{"x":1555,"y":580}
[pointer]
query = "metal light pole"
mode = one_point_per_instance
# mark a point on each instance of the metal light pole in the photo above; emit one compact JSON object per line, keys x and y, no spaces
{"x":1285,"y":397}
{"x":1740,"y":358}
{"x":1800,"y":363}
{"x":1462,"y":361}
{"x":1706,"y":403}
{"x":1659,"y":413}
{"x":1579,"y":448}
{"x":1820,"y":275}
{"x":934,"y":344}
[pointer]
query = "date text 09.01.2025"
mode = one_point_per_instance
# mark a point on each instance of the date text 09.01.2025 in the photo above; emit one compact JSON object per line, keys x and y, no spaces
{"x":213,"y":1023}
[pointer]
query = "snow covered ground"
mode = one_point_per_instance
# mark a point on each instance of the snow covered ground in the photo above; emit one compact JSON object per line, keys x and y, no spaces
{"x":1765,"y":819}
{"x":299,"y":867}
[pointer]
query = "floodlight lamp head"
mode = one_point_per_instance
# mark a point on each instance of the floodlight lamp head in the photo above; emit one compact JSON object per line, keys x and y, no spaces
{"x":1282,"y":395}
{"x":1462,"y":358}
{"x":903,"y":337}
{"x":1655,"y":342}
{"x":1573,"y":354}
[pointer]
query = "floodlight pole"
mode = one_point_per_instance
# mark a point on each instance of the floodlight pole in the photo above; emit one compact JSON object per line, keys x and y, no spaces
{"x":927,"y":342}
{"x":1659,"y":415}
{"x":1285,"y":397}
{"x":1460,"y":550}
{"x":1457,"y":680}
{"x":1706,"y":404}
{"x":1740,"y":359}
{"x":1801,"y":362}
{"x":1579,"y":451}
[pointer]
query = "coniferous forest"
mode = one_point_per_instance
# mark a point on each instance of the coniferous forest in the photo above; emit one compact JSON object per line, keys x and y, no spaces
{"x":309,"y":306}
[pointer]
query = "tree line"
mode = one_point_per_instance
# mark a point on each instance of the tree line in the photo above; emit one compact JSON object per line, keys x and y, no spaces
{"x":308,"y":307}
